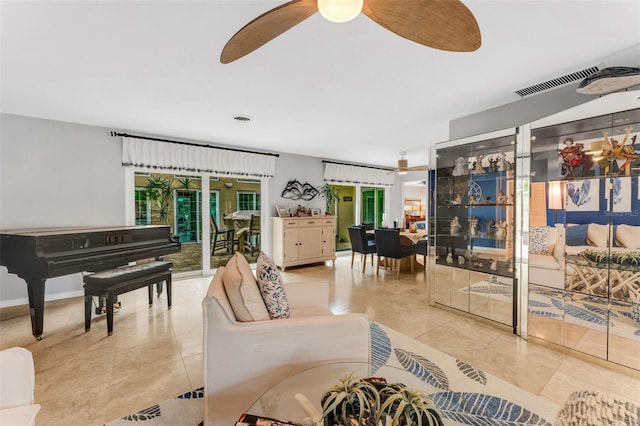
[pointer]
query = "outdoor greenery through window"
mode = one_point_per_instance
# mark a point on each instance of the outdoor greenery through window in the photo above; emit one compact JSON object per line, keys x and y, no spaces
{"x":176,"y":200}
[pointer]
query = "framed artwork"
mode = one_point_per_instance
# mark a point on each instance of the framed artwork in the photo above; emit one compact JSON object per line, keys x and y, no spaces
{"x":282,"y":211}
{"x":315,"y":212}
{"x":621,"y":194}
{"x":583,"y":195}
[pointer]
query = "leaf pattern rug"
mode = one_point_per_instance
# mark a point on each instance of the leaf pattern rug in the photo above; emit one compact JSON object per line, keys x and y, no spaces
{"x":464,"y":394}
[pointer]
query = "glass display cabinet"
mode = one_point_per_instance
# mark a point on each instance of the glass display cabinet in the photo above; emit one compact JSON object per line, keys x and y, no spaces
{"x":584,"y":262}
{"x":472,"y":269}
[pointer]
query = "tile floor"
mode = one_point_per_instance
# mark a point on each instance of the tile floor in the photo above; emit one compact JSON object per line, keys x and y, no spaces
{"x":156,"y":353}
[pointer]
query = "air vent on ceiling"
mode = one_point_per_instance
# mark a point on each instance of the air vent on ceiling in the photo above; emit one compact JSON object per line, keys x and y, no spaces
{"x":557,"y":82}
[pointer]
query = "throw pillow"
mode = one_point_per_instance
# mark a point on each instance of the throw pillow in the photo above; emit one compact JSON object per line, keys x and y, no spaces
{"x":242,"y":290}
{"x":539,"y":240}
{"x":576,"y":235}
{"x":598,"y":235}
{"x":272,"y":288}
{"x":628,"y":236}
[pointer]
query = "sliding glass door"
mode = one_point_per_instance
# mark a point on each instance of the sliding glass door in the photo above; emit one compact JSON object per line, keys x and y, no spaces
{"x":373,"y":206}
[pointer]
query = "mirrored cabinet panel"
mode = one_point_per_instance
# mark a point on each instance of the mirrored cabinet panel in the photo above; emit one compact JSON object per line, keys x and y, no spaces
{"x":584,"y":248}
{"x":474,"y":228}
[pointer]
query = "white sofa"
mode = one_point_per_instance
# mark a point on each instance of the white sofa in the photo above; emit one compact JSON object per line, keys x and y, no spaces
{"x":548,"y":269}
{"x":17,"y":381}
{"x":244,"y":359}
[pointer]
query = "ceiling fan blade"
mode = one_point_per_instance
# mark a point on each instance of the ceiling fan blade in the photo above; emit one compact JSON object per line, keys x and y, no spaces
{"x":266,"y":27}
{"x":418,"y":169}
{"x":441,"y":24}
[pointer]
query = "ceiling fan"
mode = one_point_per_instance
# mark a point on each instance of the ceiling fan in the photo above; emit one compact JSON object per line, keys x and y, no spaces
{"x":440,"y":24}
{"x":403,"y":166}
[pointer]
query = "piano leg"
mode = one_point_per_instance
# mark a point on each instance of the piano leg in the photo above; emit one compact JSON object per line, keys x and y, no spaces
{"x":35,"y":289}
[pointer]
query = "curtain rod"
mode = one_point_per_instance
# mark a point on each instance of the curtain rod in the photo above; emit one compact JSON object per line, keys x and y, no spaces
{"x":193,"y":144}
{"x":386,"y":169}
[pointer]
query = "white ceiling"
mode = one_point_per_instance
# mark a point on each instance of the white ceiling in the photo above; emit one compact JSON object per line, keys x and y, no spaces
{"x":352,"y":92}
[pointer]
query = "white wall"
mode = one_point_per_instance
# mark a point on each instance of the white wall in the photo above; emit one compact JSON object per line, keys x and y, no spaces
{"x":56,"y":174}
{"x":301,"y":168}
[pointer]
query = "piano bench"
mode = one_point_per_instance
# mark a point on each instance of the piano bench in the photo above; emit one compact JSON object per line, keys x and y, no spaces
{"x":112,"y":282}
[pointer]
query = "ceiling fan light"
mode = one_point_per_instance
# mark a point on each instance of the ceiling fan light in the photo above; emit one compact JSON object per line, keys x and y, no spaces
{"x":340,"y":10}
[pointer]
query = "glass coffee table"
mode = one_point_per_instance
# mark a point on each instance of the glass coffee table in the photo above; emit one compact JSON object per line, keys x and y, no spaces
{"x":279,"y":402}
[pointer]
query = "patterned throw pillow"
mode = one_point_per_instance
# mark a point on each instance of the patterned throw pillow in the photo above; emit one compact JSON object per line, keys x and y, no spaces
{"x":271,"y":287}
{"x":539,"y":240}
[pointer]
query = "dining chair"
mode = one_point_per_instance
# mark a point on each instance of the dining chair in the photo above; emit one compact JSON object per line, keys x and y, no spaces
{"x":252,"y":235}
{"x":361,"y":244}
{"x":221,"y":238}
{"x":422,"y":248}
{"x":389,"y":246}
{"x":369,"y":227}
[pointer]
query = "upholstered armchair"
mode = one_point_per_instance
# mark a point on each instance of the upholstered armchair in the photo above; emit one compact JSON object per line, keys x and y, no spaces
{"x":17,"y":382}
{"x":243,"y":359}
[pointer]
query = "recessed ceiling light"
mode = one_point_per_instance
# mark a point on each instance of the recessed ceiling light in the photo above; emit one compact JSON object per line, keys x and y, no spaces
{"x":242,"y":118}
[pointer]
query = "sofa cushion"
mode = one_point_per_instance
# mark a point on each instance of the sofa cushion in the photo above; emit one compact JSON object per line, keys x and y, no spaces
{"x":543,"y":261}
{"x":271,"y":287}
{"x":628,"y":236}
{"x":242,"y":290}
{"x":598,"y":235}
{"x":217,"y":291}
{"x":539,"y":241}
{"x":576,"y":235}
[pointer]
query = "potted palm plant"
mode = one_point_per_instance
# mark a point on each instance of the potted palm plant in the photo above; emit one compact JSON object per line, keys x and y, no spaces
{"x":330,"y":195}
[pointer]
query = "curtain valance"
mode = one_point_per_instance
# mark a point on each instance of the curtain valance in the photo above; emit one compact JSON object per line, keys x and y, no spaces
{"x":362,"y":175}
{"x":169,"y":156}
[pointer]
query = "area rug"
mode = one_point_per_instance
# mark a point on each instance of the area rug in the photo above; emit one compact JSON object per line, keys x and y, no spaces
{"x":464,"y":394}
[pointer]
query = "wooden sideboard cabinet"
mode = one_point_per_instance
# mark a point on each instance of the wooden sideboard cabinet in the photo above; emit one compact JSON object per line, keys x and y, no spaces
{"x":303,"y":240}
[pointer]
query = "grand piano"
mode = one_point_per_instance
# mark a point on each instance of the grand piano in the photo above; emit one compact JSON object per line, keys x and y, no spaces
{"x":37,"y":254}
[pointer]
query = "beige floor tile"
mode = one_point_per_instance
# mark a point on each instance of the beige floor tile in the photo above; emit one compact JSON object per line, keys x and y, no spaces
{"x":577,"y":375}
{"x":526,"y":365}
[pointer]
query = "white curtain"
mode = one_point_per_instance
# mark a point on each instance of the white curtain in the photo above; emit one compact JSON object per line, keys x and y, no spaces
{"x":169,"y":156}
{"x":341,"y":173}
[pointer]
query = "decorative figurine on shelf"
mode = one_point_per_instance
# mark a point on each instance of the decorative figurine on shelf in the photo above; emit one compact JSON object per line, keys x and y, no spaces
{"x":493,"y":164}
{"x":457,"y":199}
{"x":303,"y":211}
{"x":491,"y":223}
{"x":474,"y":228}
{"x":449,"y":258}
{"x":575,"y":162}
{"x":617,"y":151}
{"x":505,"y":164}
{"x":454,"y":226}
{"x":477,"y":168}
{"x":501,"y":198}
{"x":461,"y":260}
{"x":461,"y":167}
{"x":509,"y":263}
{"x":501,"y":230}
{"x":494,"y":264}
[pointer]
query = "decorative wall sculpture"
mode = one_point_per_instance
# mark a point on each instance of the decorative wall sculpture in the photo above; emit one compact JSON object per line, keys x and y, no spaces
{"x":298,"y":191}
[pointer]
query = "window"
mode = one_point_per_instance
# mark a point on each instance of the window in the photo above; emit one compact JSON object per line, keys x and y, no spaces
{"x":248,"y":200}
{"x":143,"y":207}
